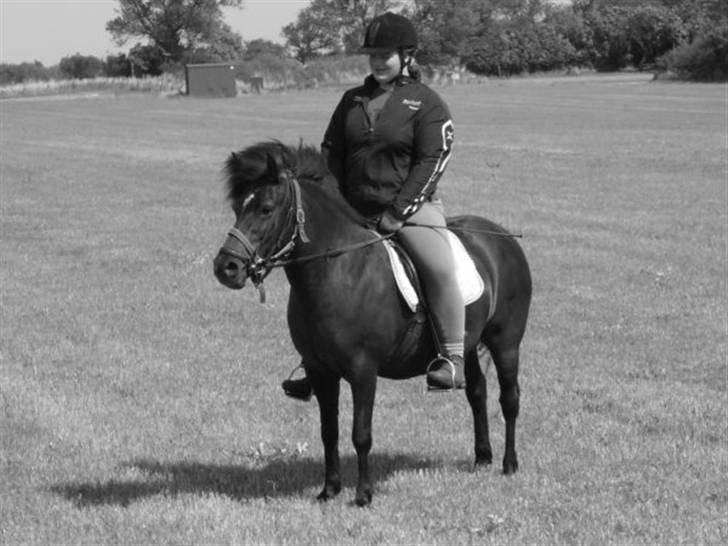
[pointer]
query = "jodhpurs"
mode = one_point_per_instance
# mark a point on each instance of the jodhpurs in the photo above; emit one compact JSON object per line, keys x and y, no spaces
{"x":431,"y":253}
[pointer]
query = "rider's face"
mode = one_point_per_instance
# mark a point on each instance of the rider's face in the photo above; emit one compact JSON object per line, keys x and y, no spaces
{"x":385,"y":66}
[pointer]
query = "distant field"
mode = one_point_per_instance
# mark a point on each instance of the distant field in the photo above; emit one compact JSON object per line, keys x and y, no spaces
{"x":141,"y":400}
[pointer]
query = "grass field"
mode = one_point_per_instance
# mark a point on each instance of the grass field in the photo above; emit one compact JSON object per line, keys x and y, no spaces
{"x":141,"y":401}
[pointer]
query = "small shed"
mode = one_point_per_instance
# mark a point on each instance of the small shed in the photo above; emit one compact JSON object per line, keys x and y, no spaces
{"x":210,"y":80}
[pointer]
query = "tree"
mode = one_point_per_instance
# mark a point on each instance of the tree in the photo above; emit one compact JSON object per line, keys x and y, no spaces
{"x":81,"y":67}
{"x":18,"y":73}
{"x":146,"y":60}
{"x":312,"y":34}
{"x":330,"y":26}
{"x":448,"y":29}
{"x":175,"y":27}
{"x":258,"y":47}
{"x":117,"y":66}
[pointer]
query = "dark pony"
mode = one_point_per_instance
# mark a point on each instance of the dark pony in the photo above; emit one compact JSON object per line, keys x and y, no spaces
{"x":345,"y":315}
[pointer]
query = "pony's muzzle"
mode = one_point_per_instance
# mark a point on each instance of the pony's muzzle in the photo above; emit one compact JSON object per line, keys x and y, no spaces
{"x":230,"y":270}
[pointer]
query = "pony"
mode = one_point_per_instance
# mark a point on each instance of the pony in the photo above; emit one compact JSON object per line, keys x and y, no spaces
{"x":345,"y":315}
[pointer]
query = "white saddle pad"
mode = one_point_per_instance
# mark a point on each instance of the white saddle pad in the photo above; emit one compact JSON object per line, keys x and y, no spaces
{"x":470,"y":282}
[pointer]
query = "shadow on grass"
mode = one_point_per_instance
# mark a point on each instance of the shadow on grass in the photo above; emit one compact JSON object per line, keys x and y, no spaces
{"x":279,"y":478}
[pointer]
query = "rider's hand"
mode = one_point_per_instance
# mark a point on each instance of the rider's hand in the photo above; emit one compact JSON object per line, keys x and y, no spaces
{"x":389,"y":223}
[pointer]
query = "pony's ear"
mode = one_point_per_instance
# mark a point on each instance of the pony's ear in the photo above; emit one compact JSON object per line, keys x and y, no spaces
{"x":233,"y":164}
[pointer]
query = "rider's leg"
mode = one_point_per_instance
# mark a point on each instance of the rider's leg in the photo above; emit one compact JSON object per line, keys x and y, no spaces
{"x":431,"y":253}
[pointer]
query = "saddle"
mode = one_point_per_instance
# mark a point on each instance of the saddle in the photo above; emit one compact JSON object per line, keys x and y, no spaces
{"x":408,"y":282}
{"x":410,"y":289}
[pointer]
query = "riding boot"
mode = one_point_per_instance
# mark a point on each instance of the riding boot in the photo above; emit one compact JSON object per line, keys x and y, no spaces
{"x":446,"y":372}
{"x":300,"y":389}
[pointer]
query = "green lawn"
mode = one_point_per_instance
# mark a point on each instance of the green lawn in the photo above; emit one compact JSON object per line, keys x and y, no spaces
{"x":141,"y":400}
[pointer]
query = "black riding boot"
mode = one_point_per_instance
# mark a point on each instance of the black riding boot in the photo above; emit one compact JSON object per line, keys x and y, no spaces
{"x":446,"y":372}
{"x":300,"y":389}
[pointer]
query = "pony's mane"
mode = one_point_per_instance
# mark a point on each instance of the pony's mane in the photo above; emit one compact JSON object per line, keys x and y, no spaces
{"x":249,"y":167}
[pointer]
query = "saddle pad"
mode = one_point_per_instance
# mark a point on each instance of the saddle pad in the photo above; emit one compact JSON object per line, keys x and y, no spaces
{"x":470,"y":282}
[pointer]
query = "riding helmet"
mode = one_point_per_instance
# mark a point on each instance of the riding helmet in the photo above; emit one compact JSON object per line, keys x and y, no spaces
{"x":391,"y":32}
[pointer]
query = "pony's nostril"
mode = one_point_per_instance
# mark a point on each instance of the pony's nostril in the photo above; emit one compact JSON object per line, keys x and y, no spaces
{"x":231,"y":268}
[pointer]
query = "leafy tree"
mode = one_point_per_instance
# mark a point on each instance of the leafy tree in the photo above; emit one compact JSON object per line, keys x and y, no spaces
{"x":447,"y":29}
{"x":175,"y":27}
{"x":331,"y":26}
{"x":222,"y":45}
{"x":651,"y":31}
{"x":571,"y":25}
{"x":703,"y":59}
{"x":19,"y":73}
{"x":81,"y":67}
{"x":146,"y":60}
{"x":255,"y":48}
{"x":312,"y":34}
{"x":117,"y":66}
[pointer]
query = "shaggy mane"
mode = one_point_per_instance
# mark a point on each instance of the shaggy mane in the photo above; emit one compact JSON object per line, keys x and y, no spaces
{"x":249,"y":167}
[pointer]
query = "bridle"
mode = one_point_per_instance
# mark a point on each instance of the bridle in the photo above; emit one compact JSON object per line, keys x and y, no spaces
{"x":257,"y":267}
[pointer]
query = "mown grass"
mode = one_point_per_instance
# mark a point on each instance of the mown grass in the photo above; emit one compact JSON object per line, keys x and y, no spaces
{"x":140,"y":399}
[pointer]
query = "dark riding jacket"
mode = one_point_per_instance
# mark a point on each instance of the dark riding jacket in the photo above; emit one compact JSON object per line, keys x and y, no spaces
{"x":396,"y":162}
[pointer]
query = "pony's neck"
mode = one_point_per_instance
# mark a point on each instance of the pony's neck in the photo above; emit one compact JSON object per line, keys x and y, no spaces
{"x":330,"y":220}
{"x":331,"y":225}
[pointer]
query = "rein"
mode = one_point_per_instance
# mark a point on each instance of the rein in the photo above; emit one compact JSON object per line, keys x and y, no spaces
{"x":258,"y":267}
{"x":466,"y":229}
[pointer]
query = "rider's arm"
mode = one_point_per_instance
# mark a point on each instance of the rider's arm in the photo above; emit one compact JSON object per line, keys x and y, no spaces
{"x":431,"y":151}
{"x":333,"y":146}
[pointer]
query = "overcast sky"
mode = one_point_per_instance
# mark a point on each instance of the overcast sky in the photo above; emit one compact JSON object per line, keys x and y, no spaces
{"x":48,"y":30}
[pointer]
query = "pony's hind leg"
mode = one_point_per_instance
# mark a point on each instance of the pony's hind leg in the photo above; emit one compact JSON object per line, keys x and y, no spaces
{"x":506,"y":363}
{"x":327,"y":394}
{"x":476,"y":391}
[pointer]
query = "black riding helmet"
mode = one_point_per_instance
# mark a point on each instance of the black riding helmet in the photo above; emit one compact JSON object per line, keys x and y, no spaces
{"x":389,"y":32}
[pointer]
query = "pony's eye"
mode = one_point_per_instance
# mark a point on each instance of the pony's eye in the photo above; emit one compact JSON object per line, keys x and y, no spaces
{"x":266,"y":209}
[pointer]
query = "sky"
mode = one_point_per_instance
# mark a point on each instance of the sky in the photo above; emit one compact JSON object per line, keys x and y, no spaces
{"x":48,"y":30}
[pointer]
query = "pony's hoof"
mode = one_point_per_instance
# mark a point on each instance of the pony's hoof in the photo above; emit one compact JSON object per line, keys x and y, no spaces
{"x":483,"y":463}
{"x":363,"y":499}
{"x":328,"y":493}
{"x":510,"y":467}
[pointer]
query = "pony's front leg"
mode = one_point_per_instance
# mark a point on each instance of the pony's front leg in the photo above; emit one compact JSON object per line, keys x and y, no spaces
{"x":363,"y":390}
{"x":327,"y":394}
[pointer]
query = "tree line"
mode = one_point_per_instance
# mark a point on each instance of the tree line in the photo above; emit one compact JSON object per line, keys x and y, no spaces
{"x":487,"y":37}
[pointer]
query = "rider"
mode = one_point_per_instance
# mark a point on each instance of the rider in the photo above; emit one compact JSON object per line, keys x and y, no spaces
{"x":388,"y":143}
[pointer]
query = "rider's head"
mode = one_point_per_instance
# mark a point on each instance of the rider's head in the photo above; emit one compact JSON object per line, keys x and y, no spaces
{"x":390,"y":41}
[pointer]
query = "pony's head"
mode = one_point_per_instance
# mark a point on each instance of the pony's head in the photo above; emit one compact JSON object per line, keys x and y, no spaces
{"x":264,"y":194}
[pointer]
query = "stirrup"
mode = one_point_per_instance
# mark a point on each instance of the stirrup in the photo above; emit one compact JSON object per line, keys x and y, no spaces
{"x":436,"y":385}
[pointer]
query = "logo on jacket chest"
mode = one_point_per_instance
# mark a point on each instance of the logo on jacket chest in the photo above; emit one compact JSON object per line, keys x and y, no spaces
{"x":412,"y":104}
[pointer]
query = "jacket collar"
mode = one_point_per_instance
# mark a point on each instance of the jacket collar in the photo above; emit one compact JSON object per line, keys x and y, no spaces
{"x":370,"y":84}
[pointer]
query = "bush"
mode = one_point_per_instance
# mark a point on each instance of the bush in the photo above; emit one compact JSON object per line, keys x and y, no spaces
{"x":81,"y":67}
{"x":17,"y":73}
{"x":146,"y":60}
{"x":117,"y":66}
{"x":704,"y":59}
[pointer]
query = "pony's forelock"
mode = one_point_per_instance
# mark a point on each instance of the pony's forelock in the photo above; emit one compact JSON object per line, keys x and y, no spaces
{"x":248,"y":168}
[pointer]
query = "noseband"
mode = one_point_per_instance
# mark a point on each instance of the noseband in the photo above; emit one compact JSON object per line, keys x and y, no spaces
{"x":257,"y":267}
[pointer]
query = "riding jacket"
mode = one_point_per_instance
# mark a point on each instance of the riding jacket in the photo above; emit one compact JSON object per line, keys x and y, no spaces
{"x":395,"y":161}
